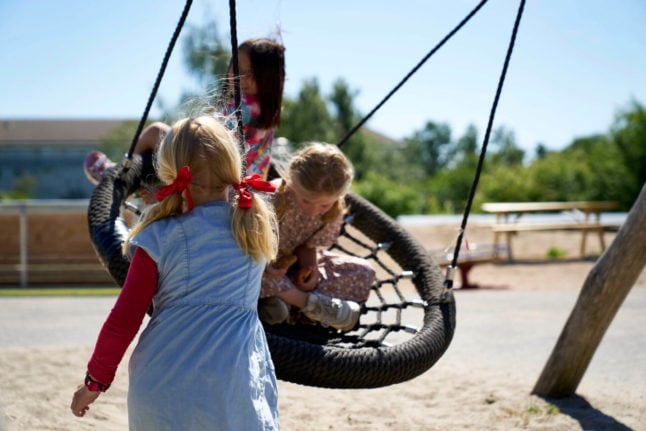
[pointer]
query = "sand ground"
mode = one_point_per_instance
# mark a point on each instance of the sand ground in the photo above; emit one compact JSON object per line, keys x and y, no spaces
{"x":505,"y":332}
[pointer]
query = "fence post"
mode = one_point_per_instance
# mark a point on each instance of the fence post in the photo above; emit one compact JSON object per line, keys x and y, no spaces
{"x":23,"y":245}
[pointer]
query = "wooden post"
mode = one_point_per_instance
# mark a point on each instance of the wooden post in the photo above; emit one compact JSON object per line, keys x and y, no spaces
{"x":603,"y":292}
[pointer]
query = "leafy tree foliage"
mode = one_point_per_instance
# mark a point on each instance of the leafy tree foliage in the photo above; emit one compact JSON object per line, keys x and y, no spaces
{"x":393,"y":198}
{"x":307,"y":118}
{"x":368,"y":151}
{"x":508,"y":153}
{"x":503,"y":184}
{"x":116,"y":144}
{"x":432,"y":172}
{"x":467,"y":147}
{"x":205,"y":56}
{"x":628,"y":133}
{"x":430,"y":148}
{"x":342,"y":99}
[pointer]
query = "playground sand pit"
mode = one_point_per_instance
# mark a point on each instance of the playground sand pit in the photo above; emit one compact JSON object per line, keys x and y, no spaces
{"x":504,"y":335}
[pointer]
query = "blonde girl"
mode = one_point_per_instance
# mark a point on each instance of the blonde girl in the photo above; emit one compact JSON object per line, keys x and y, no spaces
{"x":203,"y":357}
{"x":310,"y":204}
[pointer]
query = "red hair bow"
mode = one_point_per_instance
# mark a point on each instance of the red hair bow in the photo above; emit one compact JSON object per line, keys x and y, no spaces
{"x":255,"y":183}
{"x":181,"y":183}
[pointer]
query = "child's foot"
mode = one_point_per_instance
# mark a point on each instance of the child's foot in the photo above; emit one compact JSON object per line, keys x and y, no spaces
{"x":338,"y":313}
{"x":95,"y":166}
{"x":273,"y":310}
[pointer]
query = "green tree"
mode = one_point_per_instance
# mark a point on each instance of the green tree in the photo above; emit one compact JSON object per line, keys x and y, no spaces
{"x":307,"y":118}
{"x":503,"y":183}
{"x":342,"y":99}
{"x":429,"y":172}
{"x":117,"y":143}
{"x":541,"y":151}
{"x":391,"y":197}
{"x":467,"y":145}
{"x":206,"y":59}
{"x":205,"y":56}
{"x":601,"y":171}
{"x":558,"y":177}
{"x":628,"y":133}
{"x":506,"y":150}
{"x":610,"y":178}
{"x":429,"y":148}
{"x":367,"y":150}
{"x":588,"y":169}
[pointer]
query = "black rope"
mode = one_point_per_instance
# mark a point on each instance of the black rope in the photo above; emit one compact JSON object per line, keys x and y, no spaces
{"x":413,"y":70}
{"x":160,"y":74}
{"x":448,"y":283}
{"x":236,"y":82}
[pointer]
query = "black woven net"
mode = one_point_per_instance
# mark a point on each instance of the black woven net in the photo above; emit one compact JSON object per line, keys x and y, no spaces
{"x":406,"y":324}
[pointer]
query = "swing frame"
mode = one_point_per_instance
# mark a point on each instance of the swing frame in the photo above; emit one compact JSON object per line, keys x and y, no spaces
{"x":332,"y":359}
{"x":309,"y":354}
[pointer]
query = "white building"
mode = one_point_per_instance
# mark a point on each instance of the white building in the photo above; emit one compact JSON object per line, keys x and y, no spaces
{"x":45,"y":157}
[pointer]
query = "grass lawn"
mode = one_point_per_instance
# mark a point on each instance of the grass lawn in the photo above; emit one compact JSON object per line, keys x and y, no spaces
{"x":60,"y":291}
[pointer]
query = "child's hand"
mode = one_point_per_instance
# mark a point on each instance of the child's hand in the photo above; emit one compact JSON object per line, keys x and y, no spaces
{"x":279,"y":266}
{"x":82,"y":399}
{"x":284,"y":261}
{"x":272,"y":271}
{"x":307,"y":278}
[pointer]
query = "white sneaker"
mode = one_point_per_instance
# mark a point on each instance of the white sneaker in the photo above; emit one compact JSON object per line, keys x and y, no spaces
{"x":338,"y":313}
{"x":273,"y":310}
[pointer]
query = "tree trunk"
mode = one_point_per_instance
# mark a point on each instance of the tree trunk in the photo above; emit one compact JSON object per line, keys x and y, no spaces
{"x":603,"y":292}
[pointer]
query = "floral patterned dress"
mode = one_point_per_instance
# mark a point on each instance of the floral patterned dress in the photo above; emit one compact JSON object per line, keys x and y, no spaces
{"x":341,"y":276}
{"x":259,"y":141}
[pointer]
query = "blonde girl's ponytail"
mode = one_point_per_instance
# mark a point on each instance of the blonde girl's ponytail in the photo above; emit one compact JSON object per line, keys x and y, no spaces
{"x":253,"y":222}
{"x":169,"y":206}
{"x":210,"y":153}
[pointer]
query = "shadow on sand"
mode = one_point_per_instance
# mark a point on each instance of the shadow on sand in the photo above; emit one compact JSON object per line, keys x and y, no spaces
{"x":590,"y":418}
{"x":547,"y":261}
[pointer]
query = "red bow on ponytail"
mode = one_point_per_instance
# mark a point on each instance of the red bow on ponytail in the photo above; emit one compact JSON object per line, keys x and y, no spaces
{"x":253,"y":181}
{"x":181,"y":183}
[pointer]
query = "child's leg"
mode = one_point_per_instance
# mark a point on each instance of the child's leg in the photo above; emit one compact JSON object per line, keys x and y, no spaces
{"x":97,"y":163}
{"x":346,"y":277}
{"x":338,"y":313}
{"x":275,"y":309}
{"x":150,"y":137}
{"x":294,"y":297}
{"x":148,"y":141}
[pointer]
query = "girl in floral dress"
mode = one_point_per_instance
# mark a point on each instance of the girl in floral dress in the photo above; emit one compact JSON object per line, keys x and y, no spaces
{"x":310,"y":205}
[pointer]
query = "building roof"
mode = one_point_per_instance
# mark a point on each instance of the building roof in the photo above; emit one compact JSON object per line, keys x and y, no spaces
{"x":68,"y":131}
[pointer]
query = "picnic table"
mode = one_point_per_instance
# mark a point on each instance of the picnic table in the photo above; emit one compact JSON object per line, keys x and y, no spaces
{"x":584,"y":216}
{"x":469,"y":257}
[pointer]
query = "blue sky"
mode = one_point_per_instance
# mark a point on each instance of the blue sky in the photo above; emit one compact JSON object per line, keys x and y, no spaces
{"x":575,"y":63}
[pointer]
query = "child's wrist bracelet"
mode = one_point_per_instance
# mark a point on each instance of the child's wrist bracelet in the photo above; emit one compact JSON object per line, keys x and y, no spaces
{"x":93,"y":385}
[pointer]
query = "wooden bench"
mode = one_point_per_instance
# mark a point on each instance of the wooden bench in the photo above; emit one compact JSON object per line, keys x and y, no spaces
{"x":583,"y":216}
{"x":468,"y":258}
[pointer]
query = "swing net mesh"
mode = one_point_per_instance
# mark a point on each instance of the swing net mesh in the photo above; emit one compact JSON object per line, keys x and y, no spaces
{"x":405,"y":326}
